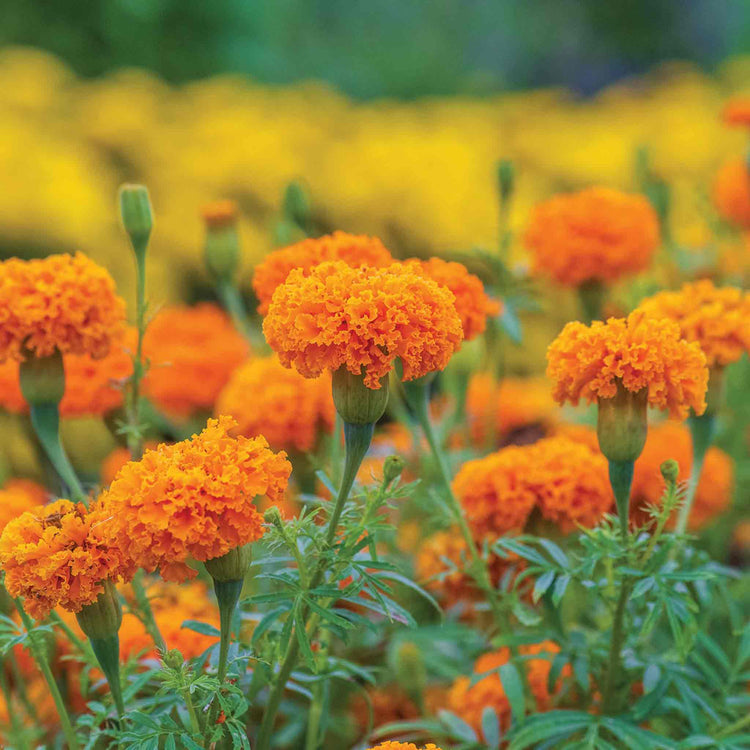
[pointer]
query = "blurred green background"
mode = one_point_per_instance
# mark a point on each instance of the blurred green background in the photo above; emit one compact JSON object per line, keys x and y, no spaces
{"x":374,"y":48}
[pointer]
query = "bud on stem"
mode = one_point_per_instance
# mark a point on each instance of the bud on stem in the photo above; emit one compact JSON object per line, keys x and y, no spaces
{"x":355,"y":402}
{"x":135,"y":211}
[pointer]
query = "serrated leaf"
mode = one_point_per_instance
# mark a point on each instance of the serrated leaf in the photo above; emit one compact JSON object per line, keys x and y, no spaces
{"x":201,"y":627}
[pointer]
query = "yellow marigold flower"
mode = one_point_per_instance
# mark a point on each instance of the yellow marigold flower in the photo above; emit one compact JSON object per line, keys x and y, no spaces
{"x":60,"y":555}
{"x":717,"y":318}
{"x":672,"y":440}
{"x":93,"y":387}
{"x":266,"y":398}
{"x":731,"y":192}
{"x":597,"y":234}
{"x":493,"y":492}
{"x":570,"y":481}
{"x":469,"y":701}
{"x":194,"y":499}
{"x":513,"y":405}
{"x":641,"y":352}
{"x":220,"y":214}
{"x":394,"y":745}
{"x":354,"y":250}
{"x":64,"y":302}
{"x":363,"y":319}
{"x":18,"y":496}
{"x":193,"y":352}
{"x":736,"y":112}
{"x":472,"y":303}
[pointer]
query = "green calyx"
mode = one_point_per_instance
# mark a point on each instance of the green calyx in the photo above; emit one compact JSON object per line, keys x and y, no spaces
{"x":42,"y":378}
{"x":355,"y":402}
{"x":622,"y":424}
{"x":103,"y":617}
{"x":232,"y":566}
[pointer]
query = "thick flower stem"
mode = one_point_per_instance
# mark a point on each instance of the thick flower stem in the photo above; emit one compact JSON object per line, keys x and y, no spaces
{"x":232,"y":302}
{"x":592,"y":294}
{"x":357,"y":438}
{"x":621,"y":479}
{"x":45,"y":418}
{"x":37,"y":650}
{"x":107,"y":652}
{"x":227,"y":595}
{"x":702,"y":432}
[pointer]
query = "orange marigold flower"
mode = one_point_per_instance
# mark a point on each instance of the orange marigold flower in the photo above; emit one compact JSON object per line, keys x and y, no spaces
{"x":717,"y":318}
{"x":64,"y":302}
{"x":672,"y":440}
{"x":736,"y":112}
{"x":269,"y":399}
{"x":493,"y":492}
{"x":394,"y":745}
{"x":354,"y":250}
{"x":731,"y":192}
{"x":510,"y":410}
{"x":116,"y":460}
{"x":597,"y":234}
{"x":220,"y":214}
{"x":362,"y":318}
{"x":472,"y":303}
{"x":571,"y":482}
{"x":194,"y":499}
{"x":642,"y":352}
{"x":18,"y":496}
{"x":193,"y":352}
{"x":59,"y":555}
{"x":469,"y":701}
{"x":93,"y":387}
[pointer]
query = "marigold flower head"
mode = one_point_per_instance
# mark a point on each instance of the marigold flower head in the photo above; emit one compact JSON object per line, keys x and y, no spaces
{"x":498,"y":409}
{"x":220,"y":214}
{"x":731,"y":192}
{"x":17,"y":496}
{"x":638,"y":351}
{"x":736,"y":112}
{"x":469,"y":701}
{"x":597,"y":234}
{"x":193,"y":352}
{"x":61,"y":302}
{"x":571,"y":482}
{"x":363,"y":319}
{"x":194,"y":499}
{"x":493,"y":492}
{"x":289,"y":410}
{"x":718,"y":318}
{"x":60,"y":555}
{"x":713,"y":495}
{"x":472,"y":303}
{"x":93,"y":387}
{"x":354,"y":250}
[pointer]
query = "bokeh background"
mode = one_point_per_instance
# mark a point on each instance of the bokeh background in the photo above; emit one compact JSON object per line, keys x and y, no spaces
{"x":388,"y":116}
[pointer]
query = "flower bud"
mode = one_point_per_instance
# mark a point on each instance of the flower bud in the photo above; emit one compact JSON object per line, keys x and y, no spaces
{"x":102,"y":618}
{"x":173,"y":659}
{"x":231,"y":567}
{"x":355,"y":402}
{"x":392,"y":468}
{"x":222,"y":246}
{"x":135,"y":211}
{"x":670,"y":470}
{"x":273,"y":517}
{"x":622,"y":424}
{"x":42,"y":378}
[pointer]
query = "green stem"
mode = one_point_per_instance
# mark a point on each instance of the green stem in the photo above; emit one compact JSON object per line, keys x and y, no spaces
{"x":144,"y":605}
{"x":357,"y":440}
{"x":232,"y":301}
{"x":591,"y":294}
{"x":37,"y":651}
{"x":731,"y":729}
{"x":621,"y":480}
{"x":69,"y":633}
{"x":107,"y":652}
{"x":227,"y":595}
{"x":194,"y":723}
{"x":45,"y":418}
{"x":702,"y":432}
{"x":135,"y":433}
{"x":312,"y":735}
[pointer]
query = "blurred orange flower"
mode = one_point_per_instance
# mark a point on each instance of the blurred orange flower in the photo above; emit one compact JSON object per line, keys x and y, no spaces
{"x":17,"y":496}
{"x":116,"y":460}
{"x":736,"y":112}
{"x":731,"y":192}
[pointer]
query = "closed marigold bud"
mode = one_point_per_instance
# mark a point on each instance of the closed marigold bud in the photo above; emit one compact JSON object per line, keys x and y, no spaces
{"x":101,"y":618}
{"x":355,"y":402}
{"x":135,"y":211}
{"x":670,"y":470}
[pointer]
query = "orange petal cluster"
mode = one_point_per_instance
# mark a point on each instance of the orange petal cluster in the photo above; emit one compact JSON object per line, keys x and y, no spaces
{"x":17,"y":496}
{"x":266,"y":398}
{"x":93,"y":387}
{"x":597,"y":234}
{"x":642,"y":352}
{"x":60,"y":555}
{"x":220,"y":214}
{"x":472,"y":303}
{"x":64,"y":302}
{"x":469,"y":701}
{"x":354,"y":250}
{"x":731,"y":192}
{"x":672,"y":440}
{"x":194,"y":499}
{"x":718,"y":318}
{"x":394,"y":745}
{"x":495,"y":409}
{"x":736,"y":112}
{"x":193,"y":351}
{"x":363,"y":319}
